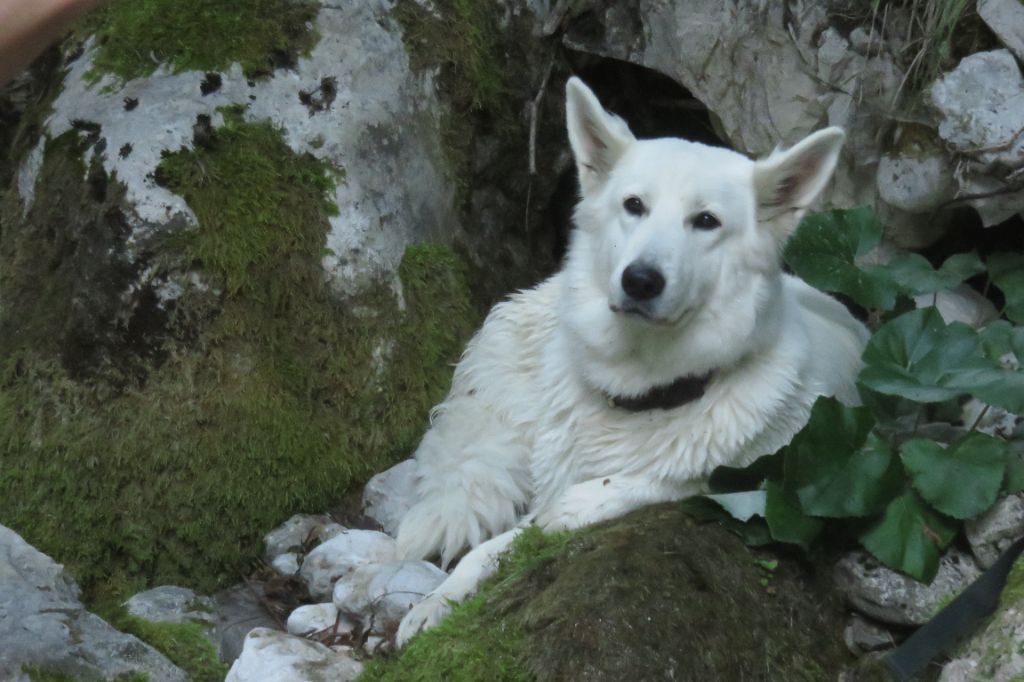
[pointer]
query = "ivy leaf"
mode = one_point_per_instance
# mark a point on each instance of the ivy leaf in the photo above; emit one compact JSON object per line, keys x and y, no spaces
{"x":786,"y":521}
{"x":754,"y":532}
{"x":962,"y":480}
{"x":987,"y":378}
{"x":991,"y":384}
{"x":1007,"y":272}
{"x":1000,"y":338}
{"x":915,"y":275}
{"x":824,"y":249}
{"x":1015,"y":468}
{"x":836,"y":466}
{"x":910,"y":537}
{"x":917,"y":354}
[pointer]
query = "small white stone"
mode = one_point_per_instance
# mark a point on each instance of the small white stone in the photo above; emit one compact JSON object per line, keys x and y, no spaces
{"x":389,"y":494}
{"x":298,"y":529}
{"x":286,"y":564}
{"x":317,"y":617}
{"x":382,"y":593}
{"x":273,"y":656}
{"x":340,"y":555}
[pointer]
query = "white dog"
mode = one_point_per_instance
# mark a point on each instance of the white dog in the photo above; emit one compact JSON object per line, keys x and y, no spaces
{"x":670,"y":343}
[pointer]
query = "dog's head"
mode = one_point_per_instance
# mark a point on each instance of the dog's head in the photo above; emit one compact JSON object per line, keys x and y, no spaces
{"x":682,"y":237}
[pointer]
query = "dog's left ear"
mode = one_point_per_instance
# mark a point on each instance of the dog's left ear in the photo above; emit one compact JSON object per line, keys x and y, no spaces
{"x":791,"y":179}
{"x":598,"y":139}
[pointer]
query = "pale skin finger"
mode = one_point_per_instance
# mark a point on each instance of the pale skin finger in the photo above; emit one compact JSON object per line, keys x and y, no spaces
{"x":27,"y":27}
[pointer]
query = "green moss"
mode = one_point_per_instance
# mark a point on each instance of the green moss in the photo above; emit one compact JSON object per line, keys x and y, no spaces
{"x":184,"y":644}
{"x":44,"y":674}
{"x":37,"y":674}
{"x":648,"y":597}
{"x":136,"y":36}
{"x":63,"y":267}
{"x":1013,"y":593}
{"x":475,"y":643}
{"x":462,"y":38}
{"x":264,"y":396}
{"x":241,"y":181}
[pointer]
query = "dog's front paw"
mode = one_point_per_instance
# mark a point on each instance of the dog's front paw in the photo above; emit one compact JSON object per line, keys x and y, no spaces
{"x":588,"y":502}
{"x":425,"y":615}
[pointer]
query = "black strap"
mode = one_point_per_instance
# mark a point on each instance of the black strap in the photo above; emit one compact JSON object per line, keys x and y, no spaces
{"x":955,"y":621}
{"x":681,"y":391}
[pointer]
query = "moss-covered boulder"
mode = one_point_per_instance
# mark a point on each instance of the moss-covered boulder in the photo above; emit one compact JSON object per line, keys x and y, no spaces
{"x":652,"y":596}
{"x":233,"y":277}
{"x":158,"y":437}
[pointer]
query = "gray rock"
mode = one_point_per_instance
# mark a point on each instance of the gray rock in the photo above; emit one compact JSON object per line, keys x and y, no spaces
{"x":862,"y":636}
{"x":992,"y":420}
{"x":994,"y":654}
{"x":171,"y":604}
{"x":273,"y":656}
{"x":767,"y":73}
{"x":43,"y":624}
{"x":960,"y":304}
{"x":236,"y":612}
{"x":891,"y":597}
{"x":1002,"y":198}
{"x":382,"y":593}
{"x":291,"y":534}
{"x":916,"y":183}
{"x":341,"y":555}
{"x":382,"y":128}
{"x":997,"y":529}
{"x":389,"y":494}
{"x":1006,"y":19}
{"x":981,"y":108}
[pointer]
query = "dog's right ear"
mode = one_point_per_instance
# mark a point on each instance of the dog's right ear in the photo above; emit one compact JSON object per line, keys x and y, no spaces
{"x":598,"y":139}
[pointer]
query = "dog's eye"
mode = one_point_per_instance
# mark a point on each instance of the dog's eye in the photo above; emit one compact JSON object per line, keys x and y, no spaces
{"x":706,"y":221}
{"x":633,"y":206}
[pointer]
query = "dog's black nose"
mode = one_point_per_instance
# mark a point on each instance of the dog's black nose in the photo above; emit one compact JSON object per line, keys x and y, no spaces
{"x":642,"y":282}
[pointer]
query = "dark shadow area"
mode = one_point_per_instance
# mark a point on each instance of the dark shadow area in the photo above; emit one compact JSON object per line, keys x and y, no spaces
{"x":968,"y":234}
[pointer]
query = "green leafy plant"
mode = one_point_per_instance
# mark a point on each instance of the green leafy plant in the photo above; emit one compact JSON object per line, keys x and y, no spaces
{"x":866,"y":470}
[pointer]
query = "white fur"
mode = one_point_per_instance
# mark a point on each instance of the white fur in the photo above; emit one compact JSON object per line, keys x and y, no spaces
{"x":527,"y":433}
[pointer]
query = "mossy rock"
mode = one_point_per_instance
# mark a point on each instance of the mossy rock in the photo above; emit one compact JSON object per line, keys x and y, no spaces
{"x":148,"y":440}
{"x":136,"y":36}
{"x":186,"y":645}
{"x":651,"y":596}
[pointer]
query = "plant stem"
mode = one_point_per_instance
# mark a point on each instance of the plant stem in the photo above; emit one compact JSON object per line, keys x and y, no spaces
{"x":977,"y":421}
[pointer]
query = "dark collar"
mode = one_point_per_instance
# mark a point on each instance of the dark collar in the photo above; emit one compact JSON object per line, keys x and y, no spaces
{"x":681,"y":391}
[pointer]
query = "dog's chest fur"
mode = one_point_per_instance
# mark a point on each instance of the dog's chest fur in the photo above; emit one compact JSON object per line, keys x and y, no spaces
{"x":521,"y":365}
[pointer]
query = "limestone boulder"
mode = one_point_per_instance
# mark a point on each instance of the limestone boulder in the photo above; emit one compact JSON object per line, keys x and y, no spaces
{"x":45,"y":627}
